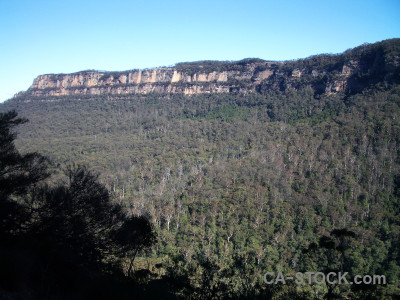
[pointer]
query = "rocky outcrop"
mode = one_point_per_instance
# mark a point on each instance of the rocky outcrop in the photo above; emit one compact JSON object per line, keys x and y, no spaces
{"x":326,"y":74}
{"x":162,"y":81}
{"x":158,"y":80}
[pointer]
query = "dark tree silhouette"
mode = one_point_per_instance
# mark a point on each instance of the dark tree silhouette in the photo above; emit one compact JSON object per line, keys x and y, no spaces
{"x":78,"y":217}
{"x":59,"y":240}
{"x":134,"y":235}
{"x":18,"y":173}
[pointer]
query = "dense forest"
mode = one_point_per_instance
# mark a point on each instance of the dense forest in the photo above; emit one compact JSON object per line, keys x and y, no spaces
{"x":226,"y":186}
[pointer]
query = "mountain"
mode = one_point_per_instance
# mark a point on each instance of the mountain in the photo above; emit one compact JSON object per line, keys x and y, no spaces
{"x":243,"y":167}
{"x":324,"y":73}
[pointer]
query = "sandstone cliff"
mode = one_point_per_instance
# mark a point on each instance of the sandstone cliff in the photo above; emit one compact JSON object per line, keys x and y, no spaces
{"x":159,"y":80}
{"x":324,"y":73}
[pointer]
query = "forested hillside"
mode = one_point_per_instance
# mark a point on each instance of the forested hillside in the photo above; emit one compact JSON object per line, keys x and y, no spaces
{"x":239,"y":184}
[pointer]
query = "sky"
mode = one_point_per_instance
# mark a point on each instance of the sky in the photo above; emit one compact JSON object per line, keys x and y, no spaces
{"x":44,"y":37}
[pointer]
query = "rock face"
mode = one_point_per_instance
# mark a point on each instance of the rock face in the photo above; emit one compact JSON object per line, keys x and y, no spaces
{"x":327,"y":74}
{"x":158,"y":80}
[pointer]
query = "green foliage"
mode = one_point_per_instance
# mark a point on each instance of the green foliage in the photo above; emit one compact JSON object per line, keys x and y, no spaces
{"x":237,"y":185}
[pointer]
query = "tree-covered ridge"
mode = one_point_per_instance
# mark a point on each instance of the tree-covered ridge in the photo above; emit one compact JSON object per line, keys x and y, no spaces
{"x":237,"y":185}
{"x":229,"y":178}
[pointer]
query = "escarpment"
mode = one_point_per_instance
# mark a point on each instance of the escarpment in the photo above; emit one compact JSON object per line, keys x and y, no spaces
{"x":348,"y":72}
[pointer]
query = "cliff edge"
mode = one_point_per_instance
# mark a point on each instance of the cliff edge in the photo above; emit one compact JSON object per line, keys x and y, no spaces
{"x":350,"y":71}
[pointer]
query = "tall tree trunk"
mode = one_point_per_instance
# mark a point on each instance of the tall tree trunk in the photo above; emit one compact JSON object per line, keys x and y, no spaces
{"x":132,"y":260}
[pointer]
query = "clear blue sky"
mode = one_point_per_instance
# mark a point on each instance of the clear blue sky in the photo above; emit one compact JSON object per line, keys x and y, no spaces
{"x":40,"y":37}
